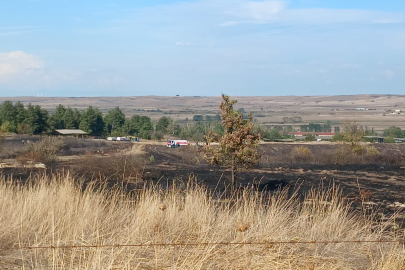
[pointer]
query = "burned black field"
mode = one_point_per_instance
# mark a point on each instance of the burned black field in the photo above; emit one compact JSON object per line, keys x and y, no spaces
{"x":376,"y":183}
{"x":373,"y":181}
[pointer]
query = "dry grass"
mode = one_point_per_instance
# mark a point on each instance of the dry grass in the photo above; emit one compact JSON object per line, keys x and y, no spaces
{"x":45,"y":150}
{"x":56,"y":211}
{"x":301,"y":154}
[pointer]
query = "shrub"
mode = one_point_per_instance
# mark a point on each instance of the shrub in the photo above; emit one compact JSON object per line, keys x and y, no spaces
{"x":301,"y":154}
{"x":45,"y":150}
{"x":24,"y":129}
{"x":151,"y":158}
{"x":357,"y":149}
{"x":343,"y":154}
{"x":371,"y":151}
{"x":372,"y":154}
{"x":157,"y":135}
{"x":310,"y":137}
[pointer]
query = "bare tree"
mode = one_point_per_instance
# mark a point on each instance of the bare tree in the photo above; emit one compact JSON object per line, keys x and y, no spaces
{"x":237,"y":147}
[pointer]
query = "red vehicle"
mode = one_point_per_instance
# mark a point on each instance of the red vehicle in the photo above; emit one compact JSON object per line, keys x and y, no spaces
{"x":176,"y":143}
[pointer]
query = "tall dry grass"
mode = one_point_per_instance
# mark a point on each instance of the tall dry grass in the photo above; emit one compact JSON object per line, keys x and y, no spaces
{"x":57,"y":211}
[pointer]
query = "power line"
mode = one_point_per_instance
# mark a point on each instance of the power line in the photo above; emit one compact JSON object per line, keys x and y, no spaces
{"x":203,"y":244}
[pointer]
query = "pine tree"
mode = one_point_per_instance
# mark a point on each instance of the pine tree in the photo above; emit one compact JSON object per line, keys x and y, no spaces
{"x":163,"y":124}
{"x":92,"y":122}
{"x":37,"y":119}
{"x":237,"y":147}
{"x":57,"y":119}
{"x":21,"y":113}
{"x":8,"y":114}
{"x":69,"y":119}
{"x":114,"y":120}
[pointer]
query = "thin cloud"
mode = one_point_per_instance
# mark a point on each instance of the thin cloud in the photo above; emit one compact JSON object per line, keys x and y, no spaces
{"x":278,"y":12}
{"x":17,"y":64}
{"x":265,"y":10}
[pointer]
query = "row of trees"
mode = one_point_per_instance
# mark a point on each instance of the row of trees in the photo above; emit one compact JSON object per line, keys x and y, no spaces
{"x":17,"y":118}
{"x":313,"y":127}
{"x":394,"y":132}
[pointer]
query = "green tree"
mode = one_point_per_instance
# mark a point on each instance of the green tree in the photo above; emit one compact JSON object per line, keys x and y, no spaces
{"x":1,"y":138}
{"x":140,"y":126}
{"x":163,"y":124}
{"x":394,"y":132}
{"x":336,"y":129}
{"x":71,"y":120}
{"x":198,"y":117}
{"x":209,"y":118}
{"x":237,"y":147}
{"x":339,"y":137}
{"x":273,"y":134}
{"x":92,"y":122}
{"x":114,"y":120}
{"x":21,"y":113}
{"x":57,"y":119}
{"x":310,"y":138}
{"x":37,"y":119}
{"x":173,"y":128}
{"x":8,"y":114}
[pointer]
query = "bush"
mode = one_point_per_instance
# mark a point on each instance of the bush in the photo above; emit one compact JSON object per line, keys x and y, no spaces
{"x":339,"y":137}
{"x":24,"y":129}
{"x":389,"y":140}
{"x":372,"y":154}
{"x":371,"y":151}
{"x":45,"y":150}
{"x":157,"y":135}
{"x":343,"y":154}
{"x":310,"y":138}
{"x":301,"y":154}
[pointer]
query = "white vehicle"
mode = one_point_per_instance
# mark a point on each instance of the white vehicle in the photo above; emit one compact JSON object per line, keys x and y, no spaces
{"x":111,"y":139}
{"x":176,"y":143}
{"x":121,"y":138}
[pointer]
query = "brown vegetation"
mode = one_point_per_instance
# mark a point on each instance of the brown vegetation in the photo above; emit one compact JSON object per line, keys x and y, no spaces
{"x":237,"y":147}
{"x":119,"y":168}
{"x":57,"y":212}
{"x":301,"y":154}
{"x":45,"y":150}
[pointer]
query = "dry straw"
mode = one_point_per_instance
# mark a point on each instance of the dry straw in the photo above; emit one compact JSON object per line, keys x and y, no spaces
{"x":194,"y":230}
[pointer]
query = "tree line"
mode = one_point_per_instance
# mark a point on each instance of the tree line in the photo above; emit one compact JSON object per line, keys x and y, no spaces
{"x":32,"y":119}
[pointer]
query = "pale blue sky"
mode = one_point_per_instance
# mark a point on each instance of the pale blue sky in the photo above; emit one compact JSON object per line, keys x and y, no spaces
{"x":203,"y":47}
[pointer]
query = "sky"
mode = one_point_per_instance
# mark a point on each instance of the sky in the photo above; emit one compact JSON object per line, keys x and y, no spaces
{"x":202,"y":47}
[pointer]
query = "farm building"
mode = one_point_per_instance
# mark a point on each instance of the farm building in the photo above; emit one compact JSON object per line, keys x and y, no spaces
{"x":69,"y":132}
{"x":320,"y":136}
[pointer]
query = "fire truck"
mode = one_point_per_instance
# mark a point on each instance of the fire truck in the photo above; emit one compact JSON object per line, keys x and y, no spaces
{"x":176,"y":143}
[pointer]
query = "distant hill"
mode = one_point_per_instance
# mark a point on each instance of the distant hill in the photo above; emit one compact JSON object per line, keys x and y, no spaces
{"x":369,"y":110}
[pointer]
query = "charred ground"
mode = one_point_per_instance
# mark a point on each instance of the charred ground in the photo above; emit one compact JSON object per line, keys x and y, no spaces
{"x":373,"y":181}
